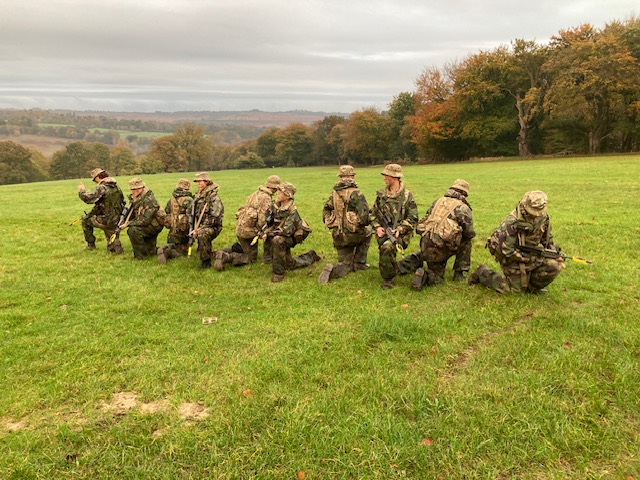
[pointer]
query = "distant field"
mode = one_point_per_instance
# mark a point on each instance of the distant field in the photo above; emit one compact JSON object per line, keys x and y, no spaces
{"x":45,"y":145}
{"x":108,"y":370}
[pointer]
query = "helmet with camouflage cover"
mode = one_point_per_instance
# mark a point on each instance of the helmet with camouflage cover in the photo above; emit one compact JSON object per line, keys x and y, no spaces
{"x":95,"y":172}
{"x":534,"y":203}
{"x":346,"y":171}
{"x":392,"y":170}
{"x":272,"y":182}
{"x":135,"y":183}
{"x":288,"y":189}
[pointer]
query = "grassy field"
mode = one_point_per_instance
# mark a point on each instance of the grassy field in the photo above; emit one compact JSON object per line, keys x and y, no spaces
{"x":107,"y":370}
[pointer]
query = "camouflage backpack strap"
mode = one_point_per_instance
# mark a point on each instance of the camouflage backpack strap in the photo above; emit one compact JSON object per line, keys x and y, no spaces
{"x":175,"y":210}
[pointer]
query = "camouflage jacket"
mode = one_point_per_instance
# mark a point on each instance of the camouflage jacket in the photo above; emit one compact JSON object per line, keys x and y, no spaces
{"x":143,"y":209}
{"x":346,"y":209}
{"x":461,"y":214}
{"x":286,"y":219}
{"x":107,"y":198}
{"x":515,"y":231}
{"x":178,"y":208}
{"x":253,"y":214}
{"x":209,"y":201}
{"x":399,"y":209}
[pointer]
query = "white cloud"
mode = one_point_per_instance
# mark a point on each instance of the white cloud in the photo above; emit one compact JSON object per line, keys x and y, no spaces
{"x":240,"y":54}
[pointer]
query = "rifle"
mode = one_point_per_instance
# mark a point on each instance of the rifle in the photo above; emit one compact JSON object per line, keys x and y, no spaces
{"x":388,"y":231}
{"x":192,"y":227}
{"x":268,"y":222}
{"x":122,"y":223}
{"x":78,"y":219}
{"x":550,"y":253}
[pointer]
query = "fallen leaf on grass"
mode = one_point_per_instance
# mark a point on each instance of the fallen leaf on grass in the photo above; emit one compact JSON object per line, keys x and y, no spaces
{"x":209,"y":320}
{"x":405,"y":305}
{"x":300,"y":475}
{"x":632,"y":287}
{"x":246,"y":392}
{"x":359,"y":292}
{"x":427,"y":441}
{"x":567,"y":345}
{"x":433,"y":350}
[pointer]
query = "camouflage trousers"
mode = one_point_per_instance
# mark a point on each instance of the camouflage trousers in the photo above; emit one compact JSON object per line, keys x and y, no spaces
{"x":238,"y":256}
{"x":143,"y":240}
{"x":281,"y":258}
{"x":437,"y":257}
{"x":177,"y":244}
{"x":89,"y":222}
{"x":520,"y":277}
{"x":205,"y":236}
{"x":352,"y":249}
{"x":387,"y":263}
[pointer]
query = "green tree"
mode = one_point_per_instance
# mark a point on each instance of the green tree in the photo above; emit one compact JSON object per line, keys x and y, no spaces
{"x":401,"y":109}
{"x":17,"y":165}
{"x":294,"y":145}
{"x":326,"y":146}
{"x":266,"y":146}
{"x":122,"y":161}
{"x":71,"y":162}
{"x":366,"y":137}
{"x":594,"y":78}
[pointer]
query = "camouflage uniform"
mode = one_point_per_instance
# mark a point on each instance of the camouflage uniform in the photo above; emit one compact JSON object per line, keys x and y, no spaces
{"x":108,"y":203}
{"x":177,"y":221}
{"x":143,"y":225}
{"x":400,"y":211}
{"x":529,"y":225}
{"x":206,"y":217}
{"x":252,"y":219}
{"x":449,"y":215}
{"x":346,"y":214}
{"x":285,"y":234}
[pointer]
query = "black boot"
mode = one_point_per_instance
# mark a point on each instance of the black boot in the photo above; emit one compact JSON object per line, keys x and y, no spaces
{"x":205,"y":264}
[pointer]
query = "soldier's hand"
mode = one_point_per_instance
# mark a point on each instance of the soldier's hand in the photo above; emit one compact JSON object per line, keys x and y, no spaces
{"x":80,"y":187}
{"x":380,"y":232}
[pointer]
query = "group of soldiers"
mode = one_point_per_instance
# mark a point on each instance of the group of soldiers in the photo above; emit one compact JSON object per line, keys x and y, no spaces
{"x":522,"y":244}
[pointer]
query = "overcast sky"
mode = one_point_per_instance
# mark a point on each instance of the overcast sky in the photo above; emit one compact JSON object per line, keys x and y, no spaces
{"x":273,"y":55}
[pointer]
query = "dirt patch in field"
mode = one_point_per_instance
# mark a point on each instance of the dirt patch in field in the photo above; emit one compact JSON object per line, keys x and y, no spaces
{"x":154,"y":407}
{"x":121,"y":403}
{"x":12,"y":426}
{"x":193,"y":412}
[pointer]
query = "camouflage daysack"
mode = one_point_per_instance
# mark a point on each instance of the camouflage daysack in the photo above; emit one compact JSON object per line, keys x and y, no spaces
{"x":439,"y":225}
{"x":302,"y":232}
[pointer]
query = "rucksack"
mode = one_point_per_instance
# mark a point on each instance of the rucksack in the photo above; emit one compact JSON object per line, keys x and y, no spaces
{"x":302,"y":232}
{"x":440,"y":224}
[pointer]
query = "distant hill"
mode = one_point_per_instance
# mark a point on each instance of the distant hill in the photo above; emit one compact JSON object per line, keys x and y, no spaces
{"x":256,"y":118}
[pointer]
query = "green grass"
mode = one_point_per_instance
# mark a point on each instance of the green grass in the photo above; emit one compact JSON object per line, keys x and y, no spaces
{"x":338,"y":381}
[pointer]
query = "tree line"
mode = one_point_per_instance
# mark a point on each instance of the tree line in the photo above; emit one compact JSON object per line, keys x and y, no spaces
{"x":577,"y":94}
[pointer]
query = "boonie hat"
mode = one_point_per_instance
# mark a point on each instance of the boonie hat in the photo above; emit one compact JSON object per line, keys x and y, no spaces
{"x":95,"y":172}
{"x":136,"y":183}
{"x":272,"y":181}
{"x":392,"y":170}
{"x":346,"y":171}
{"x":535,"y":203}
{"x":461,"y":185}
{"x":202,"y":176}
{"x":184,"y":184}
{"x":287,"y":188}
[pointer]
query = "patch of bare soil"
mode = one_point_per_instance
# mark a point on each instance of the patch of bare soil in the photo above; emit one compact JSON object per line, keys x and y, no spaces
{"x":193,"y":412}
{"x":154,"y":407}
{"x":12,"y":426}
{"x":121,"y":403}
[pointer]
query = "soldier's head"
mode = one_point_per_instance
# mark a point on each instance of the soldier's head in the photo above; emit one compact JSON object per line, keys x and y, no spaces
{"x":286,"y":191}
{"x":202,"y":180}
{"x":461,"y":186}
{"x":184,"y":184}
{"x":534,"y":204}
{"x":346,"y":172}
{"x":272,"y":183}
{"x":98,"y":174}
{"x":136,"y":185}
{"x":392,"y":174}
